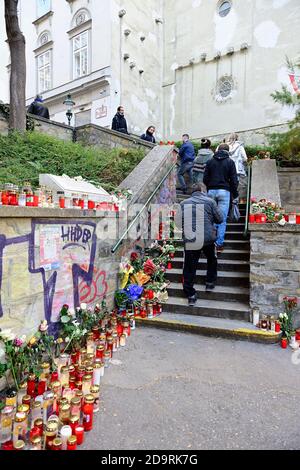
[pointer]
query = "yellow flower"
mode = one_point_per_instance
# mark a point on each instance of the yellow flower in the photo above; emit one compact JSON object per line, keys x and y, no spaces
{"x":33,"y":341}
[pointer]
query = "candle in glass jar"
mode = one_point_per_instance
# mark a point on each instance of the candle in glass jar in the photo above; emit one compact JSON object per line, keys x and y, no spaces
{"x":95,"y":391}
{"x":31,"y":383}
{"x":76,"y":407}
{"x":64,"y":413}
{"x":36,"y":443}
{"x":79,"y":433}
{"x":57,"y":444}
{"x":7,"y":415}
{"x":123,"y":340}
{"x":100,"y":352}
{"x":72,"y":443}
{"x":48,"y":405}
{"x":36,"y":411}
{"x":11,"y":398}
{"x":97,"y":373}
{"x":82,"y":357}
{"x":90,"y":344}
{"x":20,"y":427}
{"x":86,"y":384}
{"x":255,"y":316}
{"x":9,"y":445}
{"x":88,"y":411}
{"x":19,"y":445}
{"x":107,"y":357}
{"x":65,"y":433}
{"x":74,"y":422}
{"x":64,"y":376}
{"x":21,"y":392}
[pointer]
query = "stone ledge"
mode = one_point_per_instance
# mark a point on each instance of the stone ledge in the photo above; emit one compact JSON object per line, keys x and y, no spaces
{"x":288,"y":228}
{"x":45,"y":213}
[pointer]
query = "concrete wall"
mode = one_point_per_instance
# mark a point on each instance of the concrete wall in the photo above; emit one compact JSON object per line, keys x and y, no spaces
{"x":99,"y":136}
{"x":49,"y":257}
{"x":289,"y":183}
{"x":275,"y":267}
{"x":260,"y":136}
{"x":269,"y":27}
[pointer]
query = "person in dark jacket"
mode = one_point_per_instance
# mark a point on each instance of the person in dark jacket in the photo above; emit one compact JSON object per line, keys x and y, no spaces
{"x":119,"y":122}
{"x":221,"y":180}
{"x":149,"y":135}
{"x":38,"y":108}
{"x":200,"y":213}
{"x":187,"y":157}
{"x":204,"y":155}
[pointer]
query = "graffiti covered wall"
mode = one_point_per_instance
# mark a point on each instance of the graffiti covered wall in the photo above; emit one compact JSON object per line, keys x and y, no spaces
{"x":45,"y":263}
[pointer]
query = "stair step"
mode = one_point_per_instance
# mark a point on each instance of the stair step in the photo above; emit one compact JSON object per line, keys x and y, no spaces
{"x":235,"y":227}
{"x":209,"y":308}
{"x":235,"y":244}
{"x":227,"y":254}
{"x":213,"y":327}
{"x":224,"y":278}
{"x":226,"y":293}
{"x":223,"y":265}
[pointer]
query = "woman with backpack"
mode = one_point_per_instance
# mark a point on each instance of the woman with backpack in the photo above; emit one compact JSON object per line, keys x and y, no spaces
{"x":238,"y":154}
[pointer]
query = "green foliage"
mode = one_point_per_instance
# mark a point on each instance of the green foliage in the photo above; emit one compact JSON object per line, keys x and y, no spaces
{"x":24,"y":156}
{"x":287,"y":145}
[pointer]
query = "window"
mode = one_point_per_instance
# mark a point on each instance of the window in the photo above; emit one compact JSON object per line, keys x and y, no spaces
{"x":44,"y":71}
{"x":224,"y":8}
{"x":225,"y":86}
{"x":43,"y":7}
{"x":80,"y":54}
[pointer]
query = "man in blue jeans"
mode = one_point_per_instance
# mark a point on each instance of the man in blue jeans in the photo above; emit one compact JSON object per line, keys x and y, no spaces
{"x":187,"y":156}
{"x":222,"y":183}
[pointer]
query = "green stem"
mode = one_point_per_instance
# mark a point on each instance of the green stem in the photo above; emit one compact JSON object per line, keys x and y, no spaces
{"x":13,"y":373}
{"x":69,"y":342}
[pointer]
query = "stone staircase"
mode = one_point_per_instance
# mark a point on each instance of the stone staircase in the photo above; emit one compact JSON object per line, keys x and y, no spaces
{"x":225,"y":312}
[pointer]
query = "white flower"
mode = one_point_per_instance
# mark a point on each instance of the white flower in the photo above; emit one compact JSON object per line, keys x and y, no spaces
{"x":78,"y":309}
{"x":84,"y":332}
{"x":281,"y":316}
{"x":282,"y":222}
{"x":7,"y":335}
{"x":83,"y":306}
{"x":71,"y":312}
{"x":67,"y":340}
{"x":75,"y":323}
{"x":98,"y":306}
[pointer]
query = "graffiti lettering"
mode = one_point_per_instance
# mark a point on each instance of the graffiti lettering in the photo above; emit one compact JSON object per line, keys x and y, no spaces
{"x":75,"y":234}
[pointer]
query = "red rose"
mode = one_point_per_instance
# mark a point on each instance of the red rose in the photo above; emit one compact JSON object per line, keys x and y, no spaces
{"x":149,"y":267}
{"x":134,"y":256}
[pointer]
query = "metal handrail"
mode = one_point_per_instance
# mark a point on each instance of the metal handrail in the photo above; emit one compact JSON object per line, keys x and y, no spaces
{"x":248,"y":201}
{"x":120,"y":241}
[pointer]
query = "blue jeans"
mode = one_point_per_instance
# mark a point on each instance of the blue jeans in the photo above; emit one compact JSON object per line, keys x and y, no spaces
{"x":222,"y":198}
{"x":182,"y":170}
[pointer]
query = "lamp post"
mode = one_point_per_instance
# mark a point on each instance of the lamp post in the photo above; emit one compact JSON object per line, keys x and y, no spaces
{"x":69,"y":103}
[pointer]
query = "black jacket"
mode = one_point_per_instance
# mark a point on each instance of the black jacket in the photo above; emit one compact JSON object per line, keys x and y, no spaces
{"x":119,"y":124}
{"x":148,"y":137}
{"x":220,"y":173}
{"x":38,"y":109}
{"x":212,"y":216}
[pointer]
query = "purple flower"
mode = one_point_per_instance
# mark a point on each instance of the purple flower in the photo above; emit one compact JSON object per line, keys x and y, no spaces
{"x":18,"y":342}
{"x":134,"y":292}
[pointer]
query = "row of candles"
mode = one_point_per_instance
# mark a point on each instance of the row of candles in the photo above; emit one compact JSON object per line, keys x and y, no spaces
{"x":54,"y":411}
{"x":270,"y":323}
{"x":44,"y":197}
{"x":292,"y":218}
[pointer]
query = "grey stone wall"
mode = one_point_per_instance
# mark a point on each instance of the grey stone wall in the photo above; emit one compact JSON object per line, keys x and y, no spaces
{"x":91,"y":134}
{"x":289,"y":183}
{"x":275,"y":267}
{"x":55,"y":129}
{"x":259,"y":136}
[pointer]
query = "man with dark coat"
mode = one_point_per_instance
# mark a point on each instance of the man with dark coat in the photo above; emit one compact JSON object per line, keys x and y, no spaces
{"x":200,"y":213}
{"x":187,"y":157}
{"x":119,"y":123}
{"x":149,"y":135}
{"x":221,"y":180}
{"x":38,"y":108}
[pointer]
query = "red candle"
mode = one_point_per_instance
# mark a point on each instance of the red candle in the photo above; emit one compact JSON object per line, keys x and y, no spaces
{"x":251,"y":219}
{"x":79,"y":433}
{"x":91,"y":205}
{"x":297,"y":335}
{"x":286,"y":217}
{"x":72,"y":443}
{"x":172,"y":255}
{"x":169,"y":265}
{"x":143,"y":313}
{"x":35,"y":200}
{"x":277,"y":327}
{"x":54,"y":376}
{"x":284,"y":343}
{"x":263,"y":219}
{"x":100,"y":351}
{"x":7,"y":445}
{"x":62,"y":202}
{"x":298,"y":219}
{"x":258,"y":218}
{"x":31,"y":385}
{"x":88,"y":412}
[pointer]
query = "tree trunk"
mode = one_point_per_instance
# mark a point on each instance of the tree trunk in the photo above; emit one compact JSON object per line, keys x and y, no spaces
{"x":16,"y":41}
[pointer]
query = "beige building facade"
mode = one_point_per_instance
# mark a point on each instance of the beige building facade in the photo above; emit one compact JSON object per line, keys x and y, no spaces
{"x":206,"y":67}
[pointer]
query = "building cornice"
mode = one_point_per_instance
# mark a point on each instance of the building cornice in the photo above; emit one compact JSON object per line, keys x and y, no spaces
{"x":43,"y":48}
{"x":43,"y":18}
{"x":80,"y":28}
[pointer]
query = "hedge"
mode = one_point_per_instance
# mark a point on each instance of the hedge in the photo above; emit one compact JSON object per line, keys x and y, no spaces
{"x":24,"y":156}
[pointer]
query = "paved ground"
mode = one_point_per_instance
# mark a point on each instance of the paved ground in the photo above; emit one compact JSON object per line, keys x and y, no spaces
{"x":176,"y":391}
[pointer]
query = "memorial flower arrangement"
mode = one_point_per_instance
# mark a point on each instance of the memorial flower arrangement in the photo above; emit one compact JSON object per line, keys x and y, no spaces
{"x":272,"y":211}
{"x":143,"y":276}
{"x":286,"y":319}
